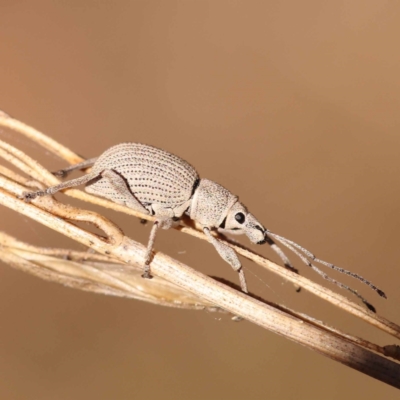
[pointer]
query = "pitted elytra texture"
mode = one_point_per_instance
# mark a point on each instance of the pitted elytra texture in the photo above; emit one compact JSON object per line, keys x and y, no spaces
{"x":153,"y":181}
{"x":152,"y":175}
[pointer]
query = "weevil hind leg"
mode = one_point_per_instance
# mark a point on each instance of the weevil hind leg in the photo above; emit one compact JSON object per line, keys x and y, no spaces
{"x":65,"y":185}
{"x":82,"y":165}
{"x":114,"y":187}
{"x":229,"y":255}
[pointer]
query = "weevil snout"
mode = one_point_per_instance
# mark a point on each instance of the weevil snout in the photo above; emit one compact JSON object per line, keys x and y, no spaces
{"x":239,"y":221}
{"x":254,"y":230}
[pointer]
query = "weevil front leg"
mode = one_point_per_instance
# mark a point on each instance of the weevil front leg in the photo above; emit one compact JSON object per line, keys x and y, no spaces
{"x":229,"y":255}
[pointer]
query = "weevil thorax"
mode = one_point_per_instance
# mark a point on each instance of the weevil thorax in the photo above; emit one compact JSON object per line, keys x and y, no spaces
{"x":213,"y":206}
{"x":210,"y":203}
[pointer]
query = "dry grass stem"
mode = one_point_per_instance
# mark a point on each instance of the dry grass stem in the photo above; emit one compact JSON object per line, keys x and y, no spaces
{"x":95,"y":273}
{"x":116,"y":271}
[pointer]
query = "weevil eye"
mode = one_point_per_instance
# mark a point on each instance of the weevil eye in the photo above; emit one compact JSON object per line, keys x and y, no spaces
{"x":240,"y":217}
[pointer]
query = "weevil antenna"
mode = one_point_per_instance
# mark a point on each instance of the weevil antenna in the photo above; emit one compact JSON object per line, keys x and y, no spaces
{"x":298,"y":250}
{"x":280,"y":253}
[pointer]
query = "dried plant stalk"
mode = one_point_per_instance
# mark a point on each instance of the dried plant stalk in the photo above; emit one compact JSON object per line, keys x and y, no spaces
{"x":179,"y":284}
{"x":95,"y":273}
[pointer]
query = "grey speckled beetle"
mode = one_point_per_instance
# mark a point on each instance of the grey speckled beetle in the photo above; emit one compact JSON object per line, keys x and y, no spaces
{"x":155,"y":182}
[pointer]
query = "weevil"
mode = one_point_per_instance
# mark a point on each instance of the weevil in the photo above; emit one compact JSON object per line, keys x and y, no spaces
{"x":158,"y":183}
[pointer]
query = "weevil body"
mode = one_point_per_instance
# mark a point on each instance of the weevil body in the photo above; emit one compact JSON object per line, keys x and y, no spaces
{"x":144,"y":178}
{"x":156,"y":182}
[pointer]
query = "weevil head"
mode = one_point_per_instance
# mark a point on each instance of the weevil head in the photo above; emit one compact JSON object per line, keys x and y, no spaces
{"x":213,"y":206}
{"x":239,"y":221}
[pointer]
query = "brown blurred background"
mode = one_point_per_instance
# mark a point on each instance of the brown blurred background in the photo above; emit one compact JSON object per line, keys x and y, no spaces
{"x":292,"y":105}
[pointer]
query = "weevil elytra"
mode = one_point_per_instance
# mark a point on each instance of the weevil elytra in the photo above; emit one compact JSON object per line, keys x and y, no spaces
{"x":156,"y":182}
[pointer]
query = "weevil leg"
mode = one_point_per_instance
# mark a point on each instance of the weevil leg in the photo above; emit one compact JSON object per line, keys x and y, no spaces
{"x":165,"y":221}
{"x":122,"y":194}
{"x":82,"y":165}
{"x":65,"y":185}
{"x":165,"y":215}
{"x":147,"y":257}
{"x":229,"y":255}
{"x":160,"y":223}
